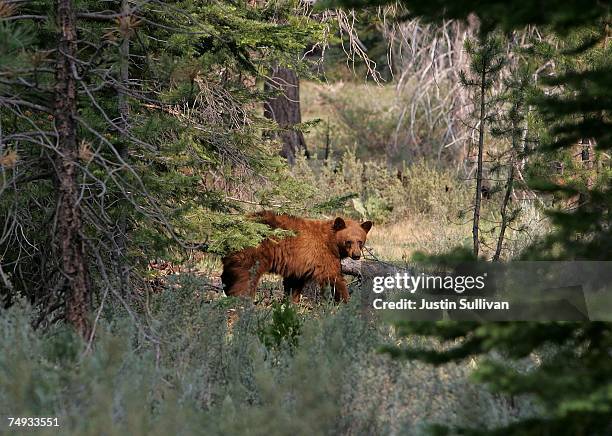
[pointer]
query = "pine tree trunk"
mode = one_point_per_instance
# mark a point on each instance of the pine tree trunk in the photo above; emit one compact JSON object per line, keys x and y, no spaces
{"x":327,"y":144}
{"x":518,"y":146}
{"x":504,"y":213}
{"x":587,"y":154}
{"x":69,"y":224}
{"x":124,"y":75}
{"x":124,"y":114}
{"x":481,"y":131}
{"x":284,"y":108}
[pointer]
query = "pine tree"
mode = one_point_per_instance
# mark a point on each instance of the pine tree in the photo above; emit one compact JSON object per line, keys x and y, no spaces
{"x":487,"y":60}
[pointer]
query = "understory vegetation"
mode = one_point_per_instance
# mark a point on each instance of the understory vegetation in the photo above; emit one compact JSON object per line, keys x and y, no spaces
{"x":192,"y":366}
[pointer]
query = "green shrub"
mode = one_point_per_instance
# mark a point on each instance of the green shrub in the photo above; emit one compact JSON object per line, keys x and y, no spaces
{"x":284,"y":326}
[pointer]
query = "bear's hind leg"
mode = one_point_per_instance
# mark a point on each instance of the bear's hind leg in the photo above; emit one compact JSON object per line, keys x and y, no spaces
{"x":239,"y":279}
{"x":235,"y":280}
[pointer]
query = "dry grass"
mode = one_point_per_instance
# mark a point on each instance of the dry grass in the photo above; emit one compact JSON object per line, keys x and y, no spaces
{"x":436,"y":233}
{"x":399,"y":241}
{"x":353,"y":115}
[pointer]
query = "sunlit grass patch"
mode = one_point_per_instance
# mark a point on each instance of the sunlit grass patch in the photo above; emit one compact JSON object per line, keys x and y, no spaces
{"x":399,"y":241}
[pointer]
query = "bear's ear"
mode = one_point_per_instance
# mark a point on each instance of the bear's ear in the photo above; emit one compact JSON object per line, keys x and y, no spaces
{"x":366,"y":225}
{"x":339,"y":224}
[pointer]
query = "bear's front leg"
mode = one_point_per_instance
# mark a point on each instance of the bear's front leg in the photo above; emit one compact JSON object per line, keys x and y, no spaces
{"x":293,"y":287}
{"x":338,"y":285}
{"x":341,"y":289}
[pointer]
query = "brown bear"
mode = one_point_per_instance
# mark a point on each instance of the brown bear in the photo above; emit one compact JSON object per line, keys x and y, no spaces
{"x":314,"y":253}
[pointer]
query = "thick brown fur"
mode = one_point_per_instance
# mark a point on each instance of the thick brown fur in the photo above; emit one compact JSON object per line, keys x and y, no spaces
{"x":314,"y":253}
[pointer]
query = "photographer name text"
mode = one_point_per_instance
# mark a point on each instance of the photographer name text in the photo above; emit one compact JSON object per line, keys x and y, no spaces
{"x":444,"y":304}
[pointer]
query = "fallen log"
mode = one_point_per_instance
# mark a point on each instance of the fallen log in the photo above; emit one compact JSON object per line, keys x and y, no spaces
{"x":367,"y":269}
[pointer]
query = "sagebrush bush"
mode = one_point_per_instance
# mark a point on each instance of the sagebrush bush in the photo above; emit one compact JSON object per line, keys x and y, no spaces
{"x":180,"y":367}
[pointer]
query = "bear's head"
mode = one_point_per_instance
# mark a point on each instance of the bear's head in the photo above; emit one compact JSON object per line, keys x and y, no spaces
{"x":350,"y":236}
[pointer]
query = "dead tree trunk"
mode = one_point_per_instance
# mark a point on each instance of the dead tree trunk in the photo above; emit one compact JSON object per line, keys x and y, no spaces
{"x":69,"y":224}
{"x":284,"y":108}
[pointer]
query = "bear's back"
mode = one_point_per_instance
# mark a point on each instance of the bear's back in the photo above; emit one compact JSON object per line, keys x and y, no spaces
{"x":286,"y":222}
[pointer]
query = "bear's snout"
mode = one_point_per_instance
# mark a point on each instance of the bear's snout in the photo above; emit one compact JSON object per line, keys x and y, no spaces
{"x":356,"y":256}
